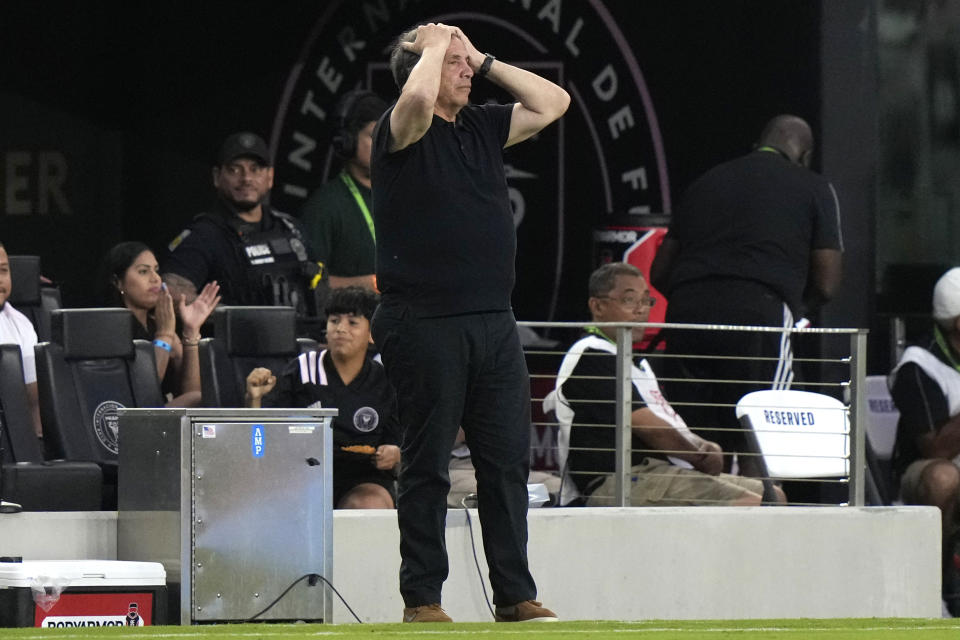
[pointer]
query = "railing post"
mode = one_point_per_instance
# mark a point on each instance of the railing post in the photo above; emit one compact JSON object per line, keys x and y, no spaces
{"x":858,"y":413}
{"x":898,"y":339}
{"x":624,"y":443}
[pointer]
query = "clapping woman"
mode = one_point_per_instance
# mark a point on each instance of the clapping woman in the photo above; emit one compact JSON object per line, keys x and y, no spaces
{"x":133,"y":278}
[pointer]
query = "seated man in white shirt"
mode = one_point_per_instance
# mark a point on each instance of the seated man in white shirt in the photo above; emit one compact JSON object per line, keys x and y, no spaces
{"x":15,"y":328}
{"x":670,"y":465}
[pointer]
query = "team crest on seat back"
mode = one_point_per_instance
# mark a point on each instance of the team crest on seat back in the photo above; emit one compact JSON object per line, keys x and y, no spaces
{"x":89,"y":369}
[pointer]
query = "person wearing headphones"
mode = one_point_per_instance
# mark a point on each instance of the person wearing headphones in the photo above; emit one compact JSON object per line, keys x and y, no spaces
{"x":754,"y":241}
{"x":338,"y":216}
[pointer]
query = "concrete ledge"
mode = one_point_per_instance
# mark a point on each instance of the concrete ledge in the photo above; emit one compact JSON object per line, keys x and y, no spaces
{"x":619,"y":564}
{"x":674,"y":563}
{"x":59,"y":535}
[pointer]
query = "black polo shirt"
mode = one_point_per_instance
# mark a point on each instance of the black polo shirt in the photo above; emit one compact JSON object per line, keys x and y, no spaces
{"x":446,"y":243}
{"x":755,"y":218}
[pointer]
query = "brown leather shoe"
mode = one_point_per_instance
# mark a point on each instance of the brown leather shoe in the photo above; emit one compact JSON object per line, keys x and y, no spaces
{"x":426,"y":613}
{"x":526,"y":611}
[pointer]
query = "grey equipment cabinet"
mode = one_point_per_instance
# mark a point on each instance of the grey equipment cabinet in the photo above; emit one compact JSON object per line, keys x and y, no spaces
{"x":235,"y":503}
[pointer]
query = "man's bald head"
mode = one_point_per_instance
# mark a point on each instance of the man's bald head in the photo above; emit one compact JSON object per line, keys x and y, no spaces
{"x":791,"y":135}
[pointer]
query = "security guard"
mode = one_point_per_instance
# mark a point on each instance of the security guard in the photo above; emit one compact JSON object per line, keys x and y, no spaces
{"x":257,"y":254}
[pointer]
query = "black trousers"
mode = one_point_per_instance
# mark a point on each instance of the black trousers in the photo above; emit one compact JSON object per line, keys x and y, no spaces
{"x":736,"y":362}
{"x":450,"y":371}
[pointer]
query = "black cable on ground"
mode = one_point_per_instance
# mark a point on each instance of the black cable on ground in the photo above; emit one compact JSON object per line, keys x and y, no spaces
{"x":312,"y":581}
{"x":476,"y":561}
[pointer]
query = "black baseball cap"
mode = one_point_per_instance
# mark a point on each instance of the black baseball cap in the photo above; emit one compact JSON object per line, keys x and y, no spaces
{"x":244,"y":145}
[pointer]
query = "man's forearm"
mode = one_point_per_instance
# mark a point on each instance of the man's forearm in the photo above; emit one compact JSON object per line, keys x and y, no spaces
{"x":660,"y":435}
{"x":823,"y":280}
{"x":424,"y":80}
{"x":368,"y":281}
{"x":413,"y":113}
{"x":944,"y":443}
{"x":532,"y":91}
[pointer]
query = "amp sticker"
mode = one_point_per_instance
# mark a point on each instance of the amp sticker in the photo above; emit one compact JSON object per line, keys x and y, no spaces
{"x":256,"y":441}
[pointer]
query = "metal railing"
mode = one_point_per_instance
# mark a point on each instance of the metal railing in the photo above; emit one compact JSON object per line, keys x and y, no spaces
{"x":836,"y":367}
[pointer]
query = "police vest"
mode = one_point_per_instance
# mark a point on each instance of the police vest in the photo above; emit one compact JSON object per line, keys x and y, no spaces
{"x":278,"y":270}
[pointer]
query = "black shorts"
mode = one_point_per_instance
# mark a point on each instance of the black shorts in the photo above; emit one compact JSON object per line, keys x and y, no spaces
{"x":349,"y":473}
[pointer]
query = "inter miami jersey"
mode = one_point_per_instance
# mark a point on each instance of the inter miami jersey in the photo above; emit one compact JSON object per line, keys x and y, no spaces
{"x":367,"y":406}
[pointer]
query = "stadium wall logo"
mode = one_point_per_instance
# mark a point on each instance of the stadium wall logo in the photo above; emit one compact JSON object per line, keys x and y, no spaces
{"x":604,"y":161}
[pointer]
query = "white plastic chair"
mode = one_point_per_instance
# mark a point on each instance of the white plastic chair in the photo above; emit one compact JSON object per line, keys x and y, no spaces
{"x":555,"y":403}
{"x":800,"y":434}
{"x":882,"y":417}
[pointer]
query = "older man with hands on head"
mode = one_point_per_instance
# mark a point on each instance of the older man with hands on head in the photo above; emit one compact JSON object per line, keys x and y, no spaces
{"x":446,"y":248}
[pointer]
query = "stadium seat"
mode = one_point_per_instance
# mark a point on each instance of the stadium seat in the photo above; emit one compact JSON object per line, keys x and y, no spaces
{"x":91,"y":367}
{"x":881,"y":421}
{"x":30,"y":297}
{"x":554,"y":403}
{"x":25,"y":477}
{"x":799,"y":434}
{"x":882,"y":417}
{"x":246,"y":338}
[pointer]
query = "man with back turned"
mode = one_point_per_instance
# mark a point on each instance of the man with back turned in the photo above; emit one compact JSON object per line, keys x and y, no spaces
{"x":754,"y":241}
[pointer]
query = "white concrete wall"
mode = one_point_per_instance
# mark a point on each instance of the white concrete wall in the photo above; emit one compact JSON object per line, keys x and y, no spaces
{"x":59,"y":535}
{"x":674,"y":563}
{"x":620,"y":564}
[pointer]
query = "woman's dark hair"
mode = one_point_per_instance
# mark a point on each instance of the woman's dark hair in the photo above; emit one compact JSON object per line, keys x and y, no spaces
{"x":113,"y":267}
{"x":356,"y":300}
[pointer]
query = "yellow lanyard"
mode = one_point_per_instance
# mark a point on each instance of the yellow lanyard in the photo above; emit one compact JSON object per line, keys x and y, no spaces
{"x":352,"y":186}
{"x":945,"y":347}
{"x":596,"y":331}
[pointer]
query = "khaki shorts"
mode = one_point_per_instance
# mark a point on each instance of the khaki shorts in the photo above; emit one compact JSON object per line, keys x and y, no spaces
{"x":463,"y":481}
{"x":658,"y":483}
{"x":910,"y":480}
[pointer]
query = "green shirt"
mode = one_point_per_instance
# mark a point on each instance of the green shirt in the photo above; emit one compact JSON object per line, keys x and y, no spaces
{"x":337,"y":231}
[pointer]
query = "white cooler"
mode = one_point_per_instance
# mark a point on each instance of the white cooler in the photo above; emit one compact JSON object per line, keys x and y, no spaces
{"x":82,"y":593}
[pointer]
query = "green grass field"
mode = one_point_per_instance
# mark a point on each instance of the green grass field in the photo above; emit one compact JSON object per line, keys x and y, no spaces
{"x":860,"y":629}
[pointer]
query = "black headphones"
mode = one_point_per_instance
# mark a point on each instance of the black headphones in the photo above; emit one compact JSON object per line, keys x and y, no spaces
{"x":344,"y":139}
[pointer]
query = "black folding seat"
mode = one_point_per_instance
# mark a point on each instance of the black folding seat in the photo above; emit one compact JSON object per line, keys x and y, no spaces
{"x":30,"y":297}
{"x":245,"y":338}
{"x":91,"y":367}
{"x":25,"y":477}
